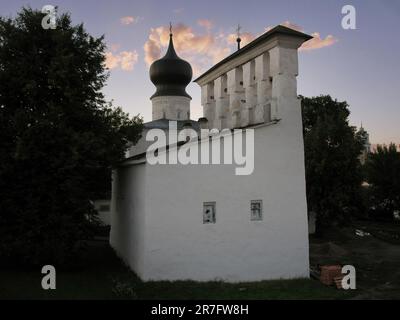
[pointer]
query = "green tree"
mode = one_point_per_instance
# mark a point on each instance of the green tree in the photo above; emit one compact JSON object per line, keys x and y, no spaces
{"x":383,"y":174}
{"x":59,"y":137}
{"x":333,"y":170}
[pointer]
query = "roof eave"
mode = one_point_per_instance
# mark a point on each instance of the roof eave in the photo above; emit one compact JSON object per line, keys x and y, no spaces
{"x":279,"y":29}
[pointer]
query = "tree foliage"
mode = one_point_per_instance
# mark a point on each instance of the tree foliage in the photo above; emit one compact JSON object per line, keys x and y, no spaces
{"x":332,"y":148}
{"x":59,"y":137}
{"x":383,"y":174}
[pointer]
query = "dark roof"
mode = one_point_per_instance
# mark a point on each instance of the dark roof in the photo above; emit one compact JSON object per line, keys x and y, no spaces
{"x":170,"y":74}
{"x":164,"y":124}
{"x":278,"y":29}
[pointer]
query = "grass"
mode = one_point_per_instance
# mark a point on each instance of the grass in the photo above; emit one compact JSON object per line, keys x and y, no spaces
{"x":105,"y":277}
{"x":276,"y":289}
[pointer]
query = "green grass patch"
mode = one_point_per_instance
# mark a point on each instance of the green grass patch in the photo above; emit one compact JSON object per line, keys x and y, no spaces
{"x":103,"y":276}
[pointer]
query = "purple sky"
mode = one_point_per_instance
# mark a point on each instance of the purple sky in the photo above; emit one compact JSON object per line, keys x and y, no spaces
{"x":360,"y":66}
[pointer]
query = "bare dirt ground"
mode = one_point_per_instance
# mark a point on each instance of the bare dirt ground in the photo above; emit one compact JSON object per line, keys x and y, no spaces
{"x":376,"y":256}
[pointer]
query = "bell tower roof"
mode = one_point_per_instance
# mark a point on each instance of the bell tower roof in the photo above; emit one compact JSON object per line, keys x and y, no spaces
{"x":170,"y":74}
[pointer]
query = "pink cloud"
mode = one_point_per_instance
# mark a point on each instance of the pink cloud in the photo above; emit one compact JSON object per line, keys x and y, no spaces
{"x":293,"y":26}
{"x":114,"y":47}
{"x":152,"y":47}
{"x":128,"y":60}
{"x":315,"y":43}
{"x":130,"y":20}
{"x":205,"y":23}
{"x":205,"y":48}
{"x":112,"y":61}
{"x":125,"y":60}
{"x":201,"y":50}
{"x":245,"y":37}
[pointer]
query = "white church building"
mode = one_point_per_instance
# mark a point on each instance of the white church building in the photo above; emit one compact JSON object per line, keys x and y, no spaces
{"x":202,"y":221}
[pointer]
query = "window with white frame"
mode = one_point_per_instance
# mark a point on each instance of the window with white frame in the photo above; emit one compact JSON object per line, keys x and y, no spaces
{"x":256,"y":210}
{"x":208,"y":212}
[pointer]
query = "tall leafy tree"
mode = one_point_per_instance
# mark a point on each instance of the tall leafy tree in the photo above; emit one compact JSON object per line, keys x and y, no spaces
{"x":59,"y":137}
{"x":332,"y":148}
{"x":383,"y":175}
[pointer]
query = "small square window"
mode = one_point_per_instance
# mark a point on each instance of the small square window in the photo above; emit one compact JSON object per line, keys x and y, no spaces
{"x":208,"y":212}
{"x":256,"y":210}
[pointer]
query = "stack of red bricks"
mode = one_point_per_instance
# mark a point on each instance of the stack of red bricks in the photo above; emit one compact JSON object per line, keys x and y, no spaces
{"x":338,"y":281}
{"x":331,"y":275}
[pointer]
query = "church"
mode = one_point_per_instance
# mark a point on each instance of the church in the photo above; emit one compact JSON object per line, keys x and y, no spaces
{"x":202,"y":221}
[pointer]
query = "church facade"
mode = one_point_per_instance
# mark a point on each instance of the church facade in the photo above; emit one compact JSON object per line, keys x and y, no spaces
{"x":202,"y":221}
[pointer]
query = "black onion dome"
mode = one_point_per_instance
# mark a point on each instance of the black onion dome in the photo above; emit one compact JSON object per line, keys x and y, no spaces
{"x":170,"y":74}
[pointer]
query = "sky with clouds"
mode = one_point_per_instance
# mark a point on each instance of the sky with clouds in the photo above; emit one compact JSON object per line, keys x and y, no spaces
{"x":360,"y":66}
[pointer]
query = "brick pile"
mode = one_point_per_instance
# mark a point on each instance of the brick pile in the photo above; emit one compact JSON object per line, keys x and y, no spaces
{"x":329,"y":273}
